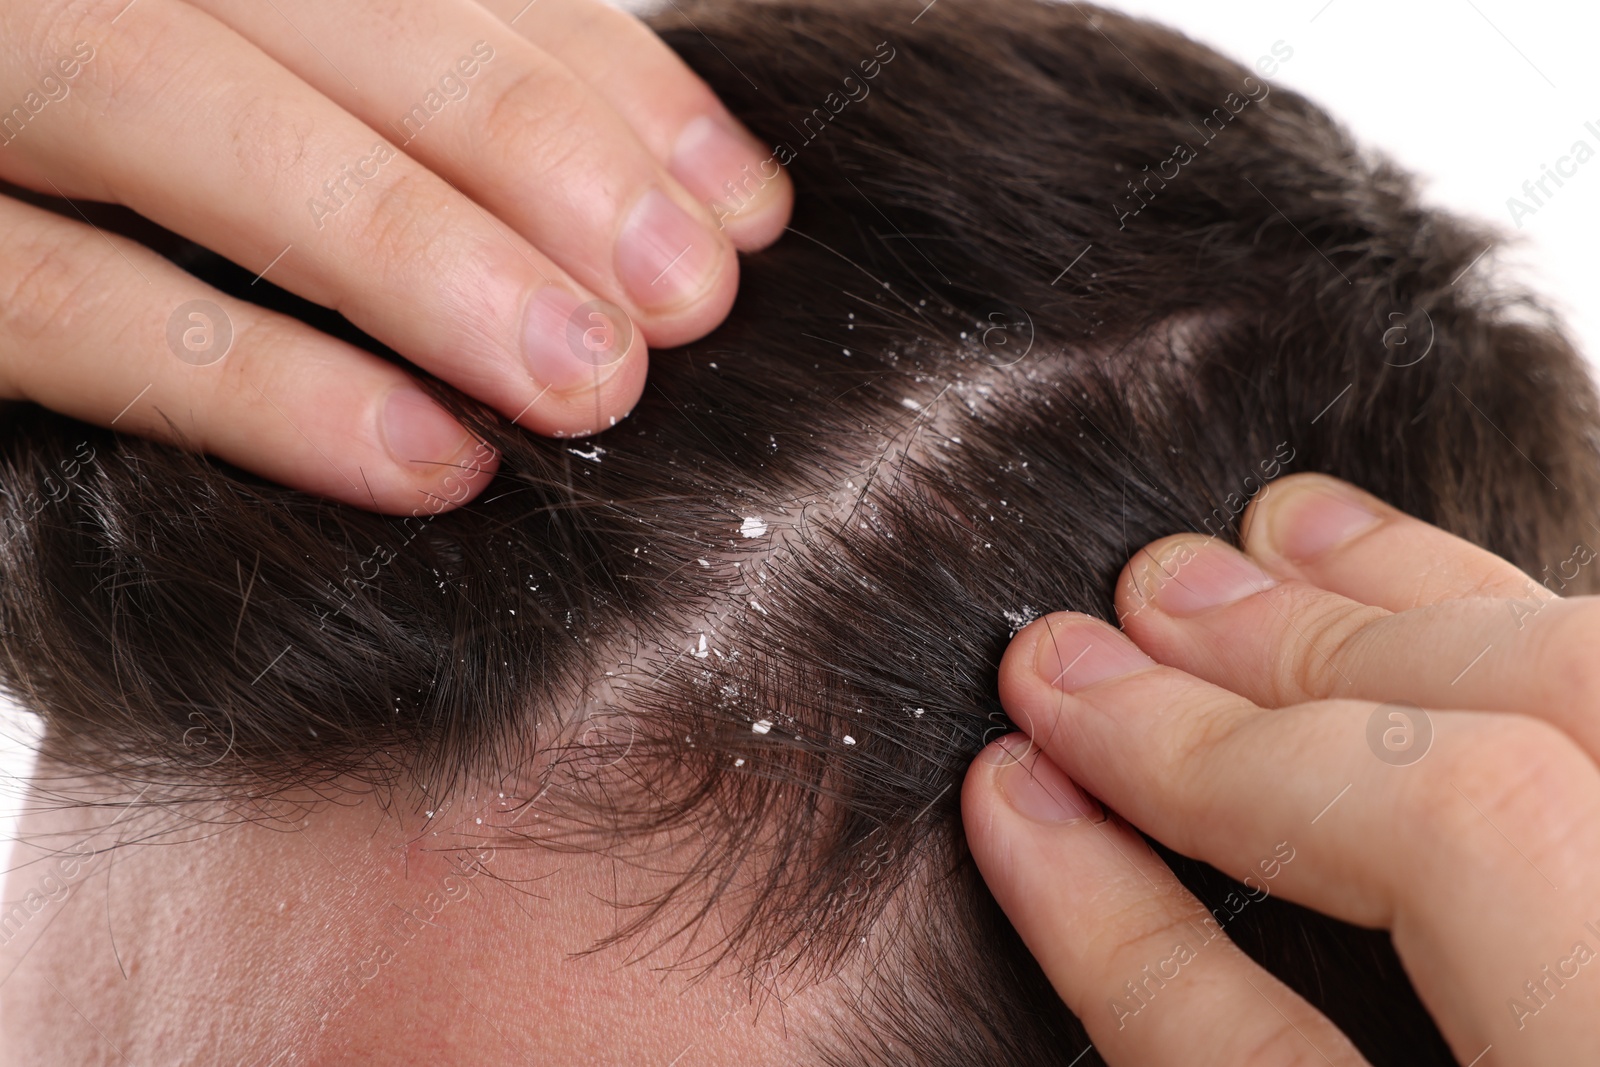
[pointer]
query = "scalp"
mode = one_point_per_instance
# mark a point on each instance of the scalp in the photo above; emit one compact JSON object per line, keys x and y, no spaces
{"x":919,"y":493}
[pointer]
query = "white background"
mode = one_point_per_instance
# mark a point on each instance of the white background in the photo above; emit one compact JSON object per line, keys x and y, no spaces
{"x":1473,"y":94}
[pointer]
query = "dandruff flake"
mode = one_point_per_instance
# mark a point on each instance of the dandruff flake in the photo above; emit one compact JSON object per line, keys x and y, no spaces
{"x":1018,"y":619}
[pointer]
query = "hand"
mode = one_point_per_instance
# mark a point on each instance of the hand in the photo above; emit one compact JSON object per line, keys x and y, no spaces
{"x":457,"y":178}
{"x":1244,"y":729}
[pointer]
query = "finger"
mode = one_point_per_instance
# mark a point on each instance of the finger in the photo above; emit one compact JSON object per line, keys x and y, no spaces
{"x":102,"y":329}
{"x":672,"y":110}
{"x":1477,"y":858}
{"x":1136,"y":957}
{"x":519,"y":133}
{"x":1200,"y":605}
{"x":1330,"y":533}
{"x":267,"y":172}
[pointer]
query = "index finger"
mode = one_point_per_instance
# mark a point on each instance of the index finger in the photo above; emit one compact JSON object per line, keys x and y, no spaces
{"x":1137,"y":958}
{"x":1418,"y":847}
{"x":1332,"y":534}
{"x":516,"y":131}
{"x":282,"y":181}
{"x":674,"y":112}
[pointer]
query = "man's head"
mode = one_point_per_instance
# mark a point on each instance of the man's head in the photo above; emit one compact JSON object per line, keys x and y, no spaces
{"x":693,"y":698}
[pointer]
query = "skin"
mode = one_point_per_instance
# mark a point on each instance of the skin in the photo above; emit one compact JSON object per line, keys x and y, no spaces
{"x":555,"y":151}
{"x":342,"y":933}
{"x":1229,"y":719}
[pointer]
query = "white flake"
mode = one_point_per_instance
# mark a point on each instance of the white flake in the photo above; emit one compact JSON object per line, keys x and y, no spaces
{"x":753,"y":526}
{"x":1019,"y":619}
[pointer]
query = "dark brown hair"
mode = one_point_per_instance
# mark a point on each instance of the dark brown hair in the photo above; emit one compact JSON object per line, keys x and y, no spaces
{"x":1059,"y":282}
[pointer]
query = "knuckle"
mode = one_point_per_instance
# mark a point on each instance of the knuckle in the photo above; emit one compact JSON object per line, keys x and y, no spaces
{"x":1191,"y":755}
{"x":34,"y":32}
{"x":1281,"y":1046}
{"x":417,"y":238}
{"x":269,"y":137}
{"x":1141,"y":932}
{"x":1325,"y":646}
{"x":552,"y":114}
{"x":1213,"y":727}
{"x":407,"y":219}
{"x":263,"y":350}
{"x":52,"y":280}
{"x":133,"y":65}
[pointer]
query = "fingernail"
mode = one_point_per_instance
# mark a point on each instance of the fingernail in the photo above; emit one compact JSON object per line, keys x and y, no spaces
{"x":725,"y":168}
{"x":1317,"y":515}
{"x":570,"y":343}
{"x":1035,"y":786}
{"x":664,"y":257}
{"x":1190,"y":577}
{"x":1075,"y":653}
{"x":419,"y":431}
